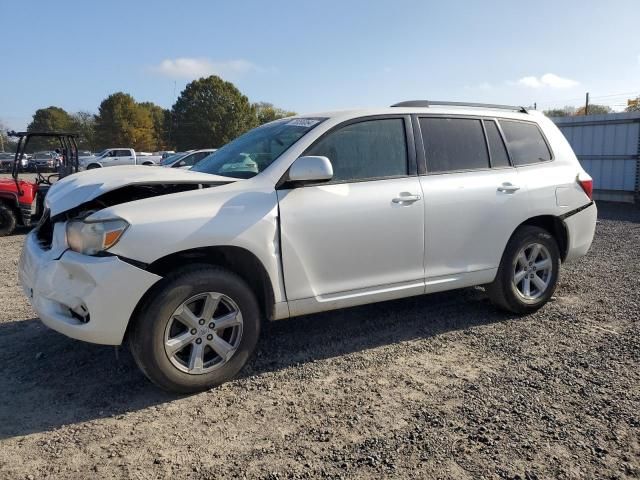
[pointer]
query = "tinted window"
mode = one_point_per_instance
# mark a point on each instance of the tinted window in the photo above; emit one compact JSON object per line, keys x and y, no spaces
{"x":525,"y":142}
{"x":454,"y":144}
{"x":124,"y":153}
{"x":369,"y":149}
{"x":497,"y":150}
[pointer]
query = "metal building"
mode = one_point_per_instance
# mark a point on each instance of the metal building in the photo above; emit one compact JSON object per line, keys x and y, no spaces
{"x":608,"y":147}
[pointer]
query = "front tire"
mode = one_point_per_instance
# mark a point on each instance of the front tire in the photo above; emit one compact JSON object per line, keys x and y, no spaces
{"x":8,"y":220}
{"x":196,"y":330}
{"x":528,"y":273}
{"x":93,"y":165}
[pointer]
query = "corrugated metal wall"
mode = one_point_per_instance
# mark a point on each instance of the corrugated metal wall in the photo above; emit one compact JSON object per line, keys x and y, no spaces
{"x":608,"y":147}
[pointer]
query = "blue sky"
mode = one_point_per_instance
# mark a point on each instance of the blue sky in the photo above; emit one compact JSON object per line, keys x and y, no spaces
{"x":318,"y":55}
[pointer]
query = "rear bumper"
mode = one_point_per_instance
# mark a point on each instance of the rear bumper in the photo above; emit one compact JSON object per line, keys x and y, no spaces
{"x":581,"y":228}
{"x":62,"y":290}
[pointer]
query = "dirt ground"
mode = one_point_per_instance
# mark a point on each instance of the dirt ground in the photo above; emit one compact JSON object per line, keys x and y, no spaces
{"x":441,"y":386}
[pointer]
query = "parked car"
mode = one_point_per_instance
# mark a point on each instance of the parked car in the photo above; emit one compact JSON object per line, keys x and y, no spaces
{"x":186,"y":160}
{"x":6,"y":161}
{"x":304,"y":215}
{"x":44,"y":161}
{"x":117,"y":157}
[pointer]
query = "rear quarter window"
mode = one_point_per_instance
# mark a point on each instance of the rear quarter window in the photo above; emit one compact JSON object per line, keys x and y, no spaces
{"x":525,"y":142}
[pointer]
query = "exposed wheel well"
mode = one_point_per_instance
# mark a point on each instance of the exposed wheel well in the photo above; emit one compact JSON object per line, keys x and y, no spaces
{"x":237,"y":259}
{"x":555,"y":227}
{"x":93,"y":165}
{"x":147,"y":164}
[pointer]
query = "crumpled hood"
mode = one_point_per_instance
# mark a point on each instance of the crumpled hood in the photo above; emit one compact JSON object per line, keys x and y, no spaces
{"x":83,"y":187}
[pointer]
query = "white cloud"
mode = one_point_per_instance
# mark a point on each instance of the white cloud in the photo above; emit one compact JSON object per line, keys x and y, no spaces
{"x":550,"y":80}
{"x":190,"y":68}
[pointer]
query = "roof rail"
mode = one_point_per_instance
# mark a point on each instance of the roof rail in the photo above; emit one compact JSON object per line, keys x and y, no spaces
{"x":429,"y":103}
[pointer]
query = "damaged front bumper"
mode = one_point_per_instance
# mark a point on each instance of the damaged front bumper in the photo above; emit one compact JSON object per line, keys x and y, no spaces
{"x":84,"y":297}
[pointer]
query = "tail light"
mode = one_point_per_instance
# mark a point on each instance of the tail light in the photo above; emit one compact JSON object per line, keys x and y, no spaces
{"x":587,"y":186}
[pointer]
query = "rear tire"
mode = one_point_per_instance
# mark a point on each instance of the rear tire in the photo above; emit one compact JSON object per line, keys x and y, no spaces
{"x":528,"y":273}
{"x":184,"y":346}
{"x":8,"y":220}
{"x":92,"y":166}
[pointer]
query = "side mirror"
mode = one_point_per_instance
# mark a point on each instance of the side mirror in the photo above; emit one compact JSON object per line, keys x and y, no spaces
{"x":311,"y":169}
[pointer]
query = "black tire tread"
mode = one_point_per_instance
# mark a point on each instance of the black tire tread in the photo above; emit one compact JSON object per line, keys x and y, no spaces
{"x":499,"y":291}
{"x":8,"y":220}
{"x":139,"y":330}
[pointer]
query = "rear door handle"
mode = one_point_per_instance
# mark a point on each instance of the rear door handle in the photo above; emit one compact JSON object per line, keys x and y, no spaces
{"x":406,"y":197}
{"x":507,"y":187}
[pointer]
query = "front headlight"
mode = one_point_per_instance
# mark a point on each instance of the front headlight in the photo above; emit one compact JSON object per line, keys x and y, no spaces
{"x":90,"y":238}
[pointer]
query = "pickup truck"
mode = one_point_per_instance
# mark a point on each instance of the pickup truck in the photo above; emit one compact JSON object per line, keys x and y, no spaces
{"x":115,"y":157}
{"x":304,"y":215}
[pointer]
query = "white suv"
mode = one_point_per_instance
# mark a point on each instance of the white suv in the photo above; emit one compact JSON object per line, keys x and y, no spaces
{"x":303,"y":215}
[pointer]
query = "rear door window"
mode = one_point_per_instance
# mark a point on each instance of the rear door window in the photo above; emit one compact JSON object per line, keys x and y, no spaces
{"x":525,"y":142}
{"x":453,"y":144}
{"x":498,"y":152}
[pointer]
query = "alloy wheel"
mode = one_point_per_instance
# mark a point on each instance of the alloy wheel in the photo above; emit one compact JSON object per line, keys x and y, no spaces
{"x":203,"y":333}
{"x":533,"y":270}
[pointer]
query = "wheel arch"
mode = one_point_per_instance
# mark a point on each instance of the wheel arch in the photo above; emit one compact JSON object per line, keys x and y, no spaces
{"x":236,"y":259}
{"x":556,"y":228}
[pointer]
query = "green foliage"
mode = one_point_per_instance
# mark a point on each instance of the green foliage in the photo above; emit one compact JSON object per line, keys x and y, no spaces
{"x":266,"y":112}
{"x":209,"y":113}
{"x":6,"y":144}
{"x":121,"y":122}
{"x":567,"y":111}
{"x":161,"y":124}
{"x":50,"y":119}
{"x":84,"y":124}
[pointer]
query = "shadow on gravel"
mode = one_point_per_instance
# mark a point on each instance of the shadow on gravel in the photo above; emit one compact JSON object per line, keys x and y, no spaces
{"x":49,"y":380}
{"x":623,"y":212}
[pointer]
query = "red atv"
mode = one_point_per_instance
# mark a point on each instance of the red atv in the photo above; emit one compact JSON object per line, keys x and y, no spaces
{"x":22,"y":202}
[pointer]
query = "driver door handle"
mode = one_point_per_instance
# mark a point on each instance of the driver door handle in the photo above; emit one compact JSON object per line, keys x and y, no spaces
{"x":406,"y":198}
{"x":507,"y":187}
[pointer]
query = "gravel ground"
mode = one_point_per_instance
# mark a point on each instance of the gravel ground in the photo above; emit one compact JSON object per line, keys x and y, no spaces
{"x":441,"y":386}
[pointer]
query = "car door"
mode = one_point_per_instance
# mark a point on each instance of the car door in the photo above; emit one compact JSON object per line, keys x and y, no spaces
{"x":358,"y":237}
{"x":110,"y":159}
{"x":125,"y":157}
{"x":473,"y":200}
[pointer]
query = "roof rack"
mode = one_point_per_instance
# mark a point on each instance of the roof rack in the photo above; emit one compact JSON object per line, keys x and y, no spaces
{"x":429,"y":103}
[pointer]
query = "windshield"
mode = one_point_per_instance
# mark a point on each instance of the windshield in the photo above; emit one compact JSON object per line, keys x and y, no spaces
{"x":253,"y":152}
{"x":171,"y":158}
{"x":100,"y":154}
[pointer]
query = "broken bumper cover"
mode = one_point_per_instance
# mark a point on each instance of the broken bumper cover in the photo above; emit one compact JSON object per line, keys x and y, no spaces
{"x":581,"y":227}
{"x":83,"y":297}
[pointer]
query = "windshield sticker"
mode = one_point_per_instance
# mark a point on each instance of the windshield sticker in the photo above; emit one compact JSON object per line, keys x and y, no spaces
{"x":303,"y":122}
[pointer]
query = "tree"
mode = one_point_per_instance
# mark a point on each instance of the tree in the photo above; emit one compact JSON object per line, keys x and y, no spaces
{"x":50,"y":119}
{"x":209,"y":113}
{"x":266,"y":112}
{"x":121,"y":122}
{"x":161,"y":124}
{"x":6,"y":144}
{"x":595,"y":109}
{"x":566,"y":111}
{"x":84,"y":124}
{"x":633,"y":105}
